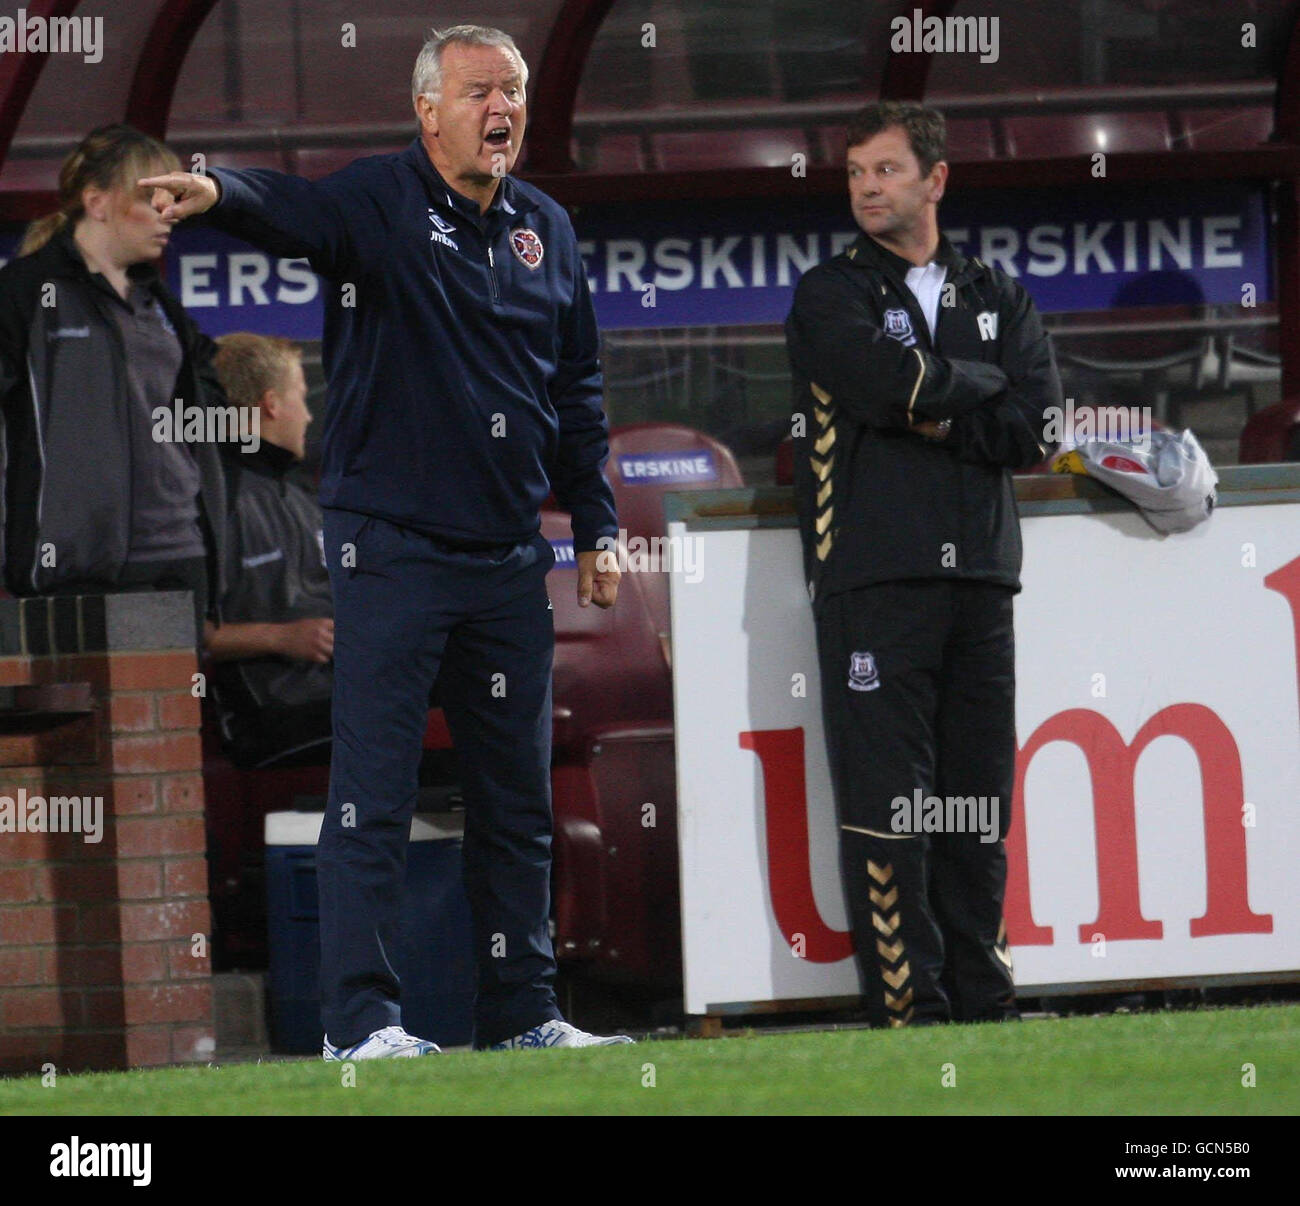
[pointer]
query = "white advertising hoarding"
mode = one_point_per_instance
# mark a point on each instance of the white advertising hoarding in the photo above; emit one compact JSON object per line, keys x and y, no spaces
{"x":1156,"y":821}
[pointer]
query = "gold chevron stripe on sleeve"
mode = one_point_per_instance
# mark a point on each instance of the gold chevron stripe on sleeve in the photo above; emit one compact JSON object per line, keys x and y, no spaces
{"x":824,"y":547}
{"x":878,"y":833}
{"x":822,"y":468}
{"x":823,"y":494}
{"x":920,"y":376}
{"x":823,"y":520}
{"x":827,"y":441}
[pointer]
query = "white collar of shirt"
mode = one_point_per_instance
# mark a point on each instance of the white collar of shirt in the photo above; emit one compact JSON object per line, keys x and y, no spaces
{"x":926,"y":284}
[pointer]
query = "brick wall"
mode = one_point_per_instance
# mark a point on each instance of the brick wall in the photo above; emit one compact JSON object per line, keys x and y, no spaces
{"x":103,"y":945}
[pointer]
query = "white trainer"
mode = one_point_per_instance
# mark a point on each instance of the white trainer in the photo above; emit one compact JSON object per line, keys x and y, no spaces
{"x":392,"y":1042}
{"x":555,"y":1033}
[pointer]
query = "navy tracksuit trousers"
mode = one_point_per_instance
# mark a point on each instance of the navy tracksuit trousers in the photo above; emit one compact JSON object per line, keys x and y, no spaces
{"x":409,"y":611}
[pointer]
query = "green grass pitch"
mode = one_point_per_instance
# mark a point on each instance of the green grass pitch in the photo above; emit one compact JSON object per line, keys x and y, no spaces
{"x":1181,"y":1063}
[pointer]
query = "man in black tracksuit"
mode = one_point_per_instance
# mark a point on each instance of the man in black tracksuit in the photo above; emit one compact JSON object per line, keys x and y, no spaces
{"x":921,"y":378}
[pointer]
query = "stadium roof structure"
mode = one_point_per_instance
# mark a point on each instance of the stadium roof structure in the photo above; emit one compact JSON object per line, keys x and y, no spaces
{"x":690,"y":99}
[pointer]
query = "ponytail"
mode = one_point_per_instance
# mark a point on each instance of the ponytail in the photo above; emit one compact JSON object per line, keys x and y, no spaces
{"x":41,"y":231}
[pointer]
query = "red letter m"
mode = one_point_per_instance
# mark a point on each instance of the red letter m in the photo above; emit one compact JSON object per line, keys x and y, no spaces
{"x":1111,"y":765}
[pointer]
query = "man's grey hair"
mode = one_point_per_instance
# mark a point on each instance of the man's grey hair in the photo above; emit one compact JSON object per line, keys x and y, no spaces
{"x":427,"y":77}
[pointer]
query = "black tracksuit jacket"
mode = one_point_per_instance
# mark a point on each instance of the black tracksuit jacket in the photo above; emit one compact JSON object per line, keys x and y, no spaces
{"x":67,"y":435}
{"x":877,"y":502}
{"x":275,"y":574}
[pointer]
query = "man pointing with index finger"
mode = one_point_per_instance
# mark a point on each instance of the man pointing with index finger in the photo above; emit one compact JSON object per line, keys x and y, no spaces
{"x":461,"y":350}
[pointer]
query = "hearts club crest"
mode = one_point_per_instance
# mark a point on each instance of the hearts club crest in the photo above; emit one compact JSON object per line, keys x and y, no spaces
{"x":526,"y":246}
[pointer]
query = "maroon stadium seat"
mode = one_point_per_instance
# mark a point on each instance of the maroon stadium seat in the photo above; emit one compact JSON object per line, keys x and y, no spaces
{"x":35,"y":174}
{"x":832,"y":144}
{"x":619,"y":153}
{"x":1060,"y":134}
{"x":247,"y":159}
{"x":616,"y":877}
{"x":971,"y":138}
{"x":785,"y":462}
{"x":640,"y":499}
{"x":315,"y":162}
{"x":968,"y":138}
{"x":1265,"y":437}
{"x":714,"y":149}
{"x":235,"y":806}
{"x":1225,"y":129}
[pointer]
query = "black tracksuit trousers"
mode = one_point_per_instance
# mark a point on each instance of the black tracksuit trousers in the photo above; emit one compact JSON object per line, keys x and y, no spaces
{"x":918,"y":687}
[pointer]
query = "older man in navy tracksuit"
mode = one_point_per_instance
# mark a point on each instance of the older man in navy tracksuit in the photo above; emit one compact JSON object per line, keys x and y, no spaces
{"x":464,"y":385}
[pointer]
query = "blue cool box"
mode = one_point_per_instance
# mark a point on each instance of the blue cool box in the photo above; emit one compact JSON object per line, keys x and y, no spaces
{"x":434,"y":958}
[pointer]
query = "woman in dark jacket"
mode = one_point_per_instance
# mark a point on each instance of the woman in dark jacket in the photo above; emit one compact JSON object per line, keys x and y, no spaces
{"x":103,"y":490}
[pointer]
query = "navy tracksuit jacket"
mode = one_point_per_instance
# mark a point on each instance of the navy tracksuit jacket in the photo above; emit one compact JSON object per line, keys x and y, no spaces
{"x":464,"y":380}
{"x":464,"y":386}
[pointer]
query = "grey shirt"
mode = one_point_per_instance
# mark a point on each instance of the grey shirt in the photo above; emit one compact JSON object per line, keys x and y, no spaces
{"x":164,"y":474}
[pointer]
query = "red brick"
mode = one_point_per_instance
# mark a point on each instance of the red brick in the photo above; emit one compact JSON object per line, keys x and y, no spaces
{"x":140,"y":879}
{"x":24,"y":847}
{"x":89,"y":668}
{"x":104,"y":1006}
{"x":131,"y":713}
{"x":156,"y":755}
{"x":134,"y":795}
{"x":186,"y":877}
{"x":53,"y":847}
{"x":19,"y":885}
{"x":34,"y":925}
{"x":46,"y":878}
{"x":74,"y":742}
{"x":15,"y":671}
{"x":148,"y":1046}
{"x":24,"y":1008}
{"x":20,"y":749}
{"x":152,"y":671}
{"x":142,"y":837}
{"x":178,"y":710}
{"x":28,"y":1053}
{"x":92,"y":1051}
{"x":99,"y":923}
{"x":84,"y":883}
{"x":182,"y":964}
{"x":146,"y":1004}
{"x":182,"y":793}
{"x":142,"y":961}
{"x":193,"y":1044}
{"x":89,"y":965}
{"x":172,"y":919}
{"x":27,"y":965}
